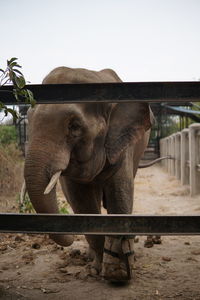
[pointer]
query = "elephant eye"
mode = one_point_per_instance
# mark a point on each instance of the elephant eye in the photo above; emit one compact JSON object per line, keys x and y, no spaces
{"x":75,"y":129}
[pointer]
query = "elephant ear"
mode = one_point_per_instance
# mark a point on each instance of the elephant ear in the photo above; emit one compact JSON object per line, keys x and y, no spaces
{"x":128,"y":123}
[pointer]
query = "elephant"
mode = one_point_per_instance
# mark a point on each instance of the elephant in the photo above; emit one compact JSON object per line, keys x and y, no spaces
{"x":94,"y":150}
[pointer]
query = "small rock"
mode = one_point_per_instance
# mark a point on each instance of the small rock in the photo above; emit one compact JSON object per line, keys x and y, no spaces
{"x":191,"y":259}
{"x":148,"y":243}
{"x":13,"y":246}
{"x":18,"y":238}
{"x":166,"y":258}
{"x":3,"y":248}
{"x":157,"y":240}
{"x":77,"y":274}
{"x":74,"y":253}
{"x":63,"y":270}
{"x":28,"y":257}
{"x":48,"y":291}
{"x":196,"y":252}
{"x":187,"y":243}
{"x":36,"y":246}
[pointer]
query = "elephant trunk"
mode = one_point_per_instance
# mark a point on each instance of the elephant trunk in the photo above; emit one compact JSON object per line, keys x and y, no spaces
{"x":37,"y":174}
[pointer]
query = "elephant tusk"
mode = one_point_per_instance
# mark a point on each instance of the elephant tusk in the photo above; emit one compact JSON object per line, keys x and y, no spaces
{"x":52,"y":182}
{"x":22,"y":193}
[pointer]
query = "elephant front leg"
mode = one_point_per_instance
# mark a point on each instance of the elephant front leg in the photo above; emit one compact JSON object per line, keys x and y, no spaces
{"x":86,"y":199}
{"x":118,"y":257}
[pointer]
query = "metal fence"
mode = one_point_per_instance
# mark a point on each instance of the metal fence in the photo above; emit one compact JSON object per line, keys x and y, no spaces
{"x":152,"y":92}
{"x":184,"y":148}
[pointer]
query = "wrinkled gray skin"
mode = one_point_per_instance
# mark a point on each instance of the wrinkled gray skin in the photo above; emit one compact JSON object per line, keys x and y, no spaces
{"x":97,"y":147}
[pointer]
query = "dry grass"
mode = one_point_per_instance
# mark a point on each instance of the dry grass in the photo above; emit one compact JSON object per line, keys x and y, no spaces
{"x":11,"y":170}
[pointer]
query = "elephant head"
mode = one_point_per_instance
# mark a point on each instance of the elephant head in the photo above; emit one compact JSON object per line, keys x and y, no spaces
{"x":77,"y":141}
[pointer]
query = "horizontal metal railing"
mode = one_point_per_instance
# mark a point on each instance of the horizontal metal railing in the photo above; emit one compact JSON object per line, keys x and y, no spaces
{"x":100,"y":224}
{"x":110,"y":92}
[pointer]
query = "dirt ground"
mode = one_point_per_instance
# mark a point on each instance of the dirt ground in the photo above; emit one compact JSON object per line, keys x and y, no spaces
{"x":33,"y":267}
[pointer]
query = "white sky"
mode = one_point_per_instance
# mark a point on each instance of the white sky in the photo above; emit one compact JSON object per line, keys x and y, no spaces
{"x":142,"y":40}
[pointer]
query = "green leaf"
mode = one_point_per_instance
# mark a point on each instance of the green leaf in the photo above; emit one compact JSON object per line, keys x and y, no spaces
{"x":17,"y":71}
{"x":15,"y":95}
{"x":19,"y":81}
{"x":32,"y":102}
{"x":2,"y":105}
{"x":12,"y":112}
{"x":30,"y":94}
{"x":12,"y":63}
{"x":12,"y":74}
{"x":11,"y":60}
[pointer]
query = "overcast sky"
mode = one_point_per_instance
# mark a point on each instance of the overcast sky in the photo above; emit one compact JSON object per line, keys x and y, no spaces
{"x":142,"y":40}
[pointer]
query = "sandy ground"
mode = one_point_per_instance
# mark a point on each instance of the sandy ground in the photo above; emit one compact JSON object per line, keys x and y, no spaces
{"x":33,"y":267}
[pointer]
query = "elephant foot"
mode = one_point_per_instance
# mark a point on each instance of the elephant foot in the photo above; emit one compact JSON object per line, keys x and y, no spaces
{"x":95,"y":268}
{"x":118,"y":259}
{"x":62,"y":240}
{"x":96,"y":265}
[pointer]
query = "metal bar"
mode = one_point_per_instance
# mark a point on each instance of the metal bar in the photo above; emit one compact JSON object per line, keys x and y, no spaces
{"x":110,"y":92}
{"x":100,"y":224}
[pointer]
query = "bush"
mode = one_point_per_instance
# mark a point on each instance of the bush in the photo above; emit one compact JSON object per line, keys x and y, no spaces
{"x":8,"y":135}
{"x":26,"y":206}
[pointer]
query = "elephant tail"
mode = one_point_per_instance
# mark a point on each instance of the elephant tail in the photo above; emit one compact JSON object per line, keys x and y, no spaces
{"x":151,"y":163}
